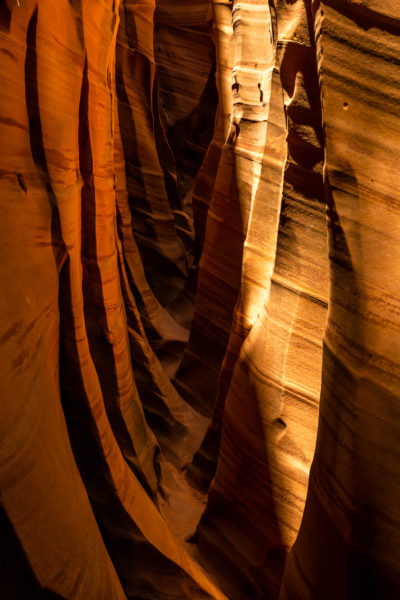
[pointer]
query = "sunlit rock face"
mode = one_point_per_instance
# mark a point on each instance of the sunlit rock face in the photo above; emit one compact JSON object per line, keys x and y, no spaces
{"x":200,"y":331}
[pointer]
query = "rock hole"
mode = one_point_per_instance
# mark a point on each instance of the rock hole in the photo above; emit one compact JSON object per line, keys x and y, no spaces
{"x":236,"y":133}
{"x":21,"y":181}
{"x":345,"y":105}
{"x":261,"y":92}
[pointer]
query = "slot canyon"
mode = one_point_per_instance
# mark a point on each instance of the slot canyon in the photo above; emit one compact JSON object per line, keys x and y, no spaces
{"x":200,"y":300}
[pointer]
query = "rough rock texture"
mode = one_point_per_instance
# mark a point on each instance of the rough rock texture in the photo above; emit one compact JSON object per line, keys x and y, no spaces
{"x":199,"y":250}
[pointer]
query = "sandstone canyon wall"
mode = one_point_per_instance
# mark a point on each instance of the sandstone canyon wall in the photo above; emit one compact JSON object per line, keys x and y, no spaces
{"x":200,"y":307}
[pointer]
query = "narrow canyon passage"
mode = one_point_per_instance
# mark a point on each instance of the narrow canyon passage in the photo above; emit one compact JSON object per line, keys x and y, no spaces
{"x":200,"y":300}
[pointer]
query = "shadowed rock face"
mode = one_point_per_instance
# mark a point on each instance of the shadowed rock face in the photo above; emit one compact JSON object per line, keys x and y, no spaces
{"x":200,"y":330}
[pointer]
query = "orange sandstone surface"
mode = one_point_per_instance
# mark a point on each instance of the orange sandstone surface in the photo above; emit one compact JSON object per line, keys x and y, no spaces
{"x":200,"y":300}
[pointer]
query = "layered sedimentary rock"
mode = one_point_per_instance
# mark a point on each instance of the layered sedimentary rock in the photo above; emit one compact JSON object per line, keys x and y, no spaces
{"x":200,"y":299}
{"x":348,"y":543}
{"x":85,"y":470}
{"x":270,"y":415}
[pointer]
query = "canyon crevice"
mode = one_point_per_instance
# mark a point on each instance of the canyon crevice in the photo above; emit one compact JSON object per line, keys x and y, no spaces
{"x":200,"y":306}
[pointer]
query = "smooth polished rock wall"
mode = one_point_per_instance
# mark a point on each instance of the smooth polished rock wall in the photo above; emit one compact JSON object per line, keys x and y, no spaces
{"x":200,"y":296}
